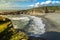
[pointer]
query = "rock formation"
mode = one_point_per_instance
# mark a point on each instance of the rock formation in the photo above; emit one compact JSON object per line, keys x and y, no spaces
{"x":7,"y":31}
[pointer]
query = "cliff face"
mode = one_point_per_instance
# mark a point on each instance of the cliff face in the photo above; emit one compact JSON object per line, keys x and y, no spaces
{"x":46,"y":9}
{"x":35,"y":11}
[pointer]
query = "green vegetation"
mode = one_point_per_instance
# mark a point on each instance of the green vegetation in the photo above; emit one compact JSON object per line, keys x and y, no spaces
{"x":49,"y":7}
{"x":46,"y":9}
{"x":7,"y":32}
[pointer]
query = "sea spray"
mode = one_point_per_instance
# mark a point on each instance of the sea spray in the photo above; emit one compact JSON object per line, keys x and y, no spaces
{"x":36,"y":26}
{"x":32,"y":25}
{"x":20,"y":22}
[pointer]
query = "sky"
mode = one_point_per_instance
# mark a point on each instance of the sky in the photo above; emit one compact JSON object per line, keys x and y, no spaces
{"x":24,"y":4}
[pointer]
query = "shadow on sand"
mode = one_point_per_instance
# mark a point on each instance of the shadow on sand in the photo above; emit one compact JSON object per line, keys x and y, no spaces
{"x":51,"y":36}
{"x":47,"y":36}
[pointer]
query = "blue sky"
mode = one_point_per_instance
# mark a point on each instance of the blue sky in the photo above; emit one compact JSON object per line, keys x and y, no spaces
{"x":33,"y":1}
{"x":23,"y":4}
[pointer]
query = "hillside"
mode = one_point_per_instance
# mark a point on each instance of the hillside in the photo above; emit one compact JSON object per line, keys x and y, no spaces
{"x":35,"y":11}
{"x":48,"y":8}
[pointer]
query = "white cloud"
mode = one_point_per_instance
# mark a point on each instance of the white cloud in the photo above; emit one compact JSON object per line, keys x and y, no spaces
{"x":42,"y":3}
{"x":31,"y":5}
{"x":10,"y":4}
{"x":45,"y":3}
{"x":49,"y":1}
{"x":56,"y":2}
{"x":16,"y":0}
{"x":4,"y":4}
{"x":35,"y":5}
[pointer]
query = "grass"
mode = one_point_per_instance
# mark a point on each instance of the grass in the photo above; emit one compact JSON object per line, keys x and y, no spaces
{"x":4,"y":26}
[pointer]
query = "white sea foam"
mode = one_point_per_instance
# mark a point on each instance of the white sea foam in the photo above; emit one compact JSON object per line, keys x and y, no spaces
{"x":36,"y":26}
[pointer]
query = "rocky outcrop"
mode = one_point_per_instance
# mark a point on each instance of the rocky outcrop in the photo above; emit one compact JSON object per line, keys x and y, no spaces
{"x":7,"y":31}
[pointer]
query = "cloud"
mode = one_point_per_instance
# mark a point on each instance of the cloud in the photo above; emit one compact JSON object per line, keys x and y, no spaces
{"x":32,"y":5}
{"x":11,"y":4}
{"x":5,"y":4}
{"x":8,"y":5}
{"x":38,"y":3}
{"x":50,"y":2}
{"x":17,"y":0}
{"x":45,"y":3}
{"x":35,"y":5}
{"x":56,"y":2}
